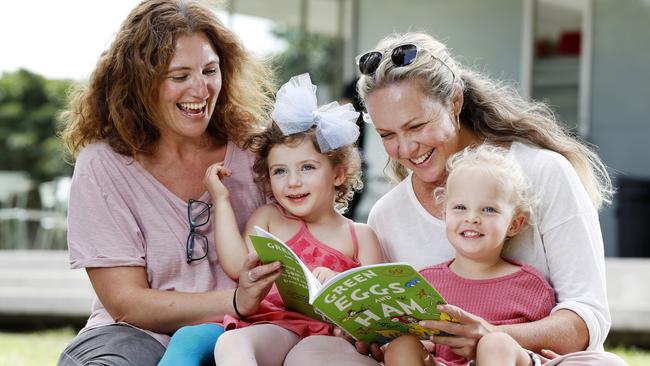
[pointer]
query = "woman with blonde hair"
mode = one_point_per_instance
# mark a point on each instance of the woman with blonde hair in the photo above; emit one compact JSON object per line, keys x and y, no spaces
{"x":425,"y":107}
{"x":174,"y":93}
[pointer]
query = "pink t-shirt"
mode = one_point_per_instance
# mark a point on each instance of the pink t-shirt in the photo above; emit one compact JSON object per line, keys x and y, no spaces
{"x":520,"y":297}
{"x":120,"y":215}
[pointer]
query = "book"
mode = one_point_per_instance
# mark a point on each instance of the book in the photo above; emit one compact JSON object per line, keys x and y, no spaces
{"x":373,"y":303}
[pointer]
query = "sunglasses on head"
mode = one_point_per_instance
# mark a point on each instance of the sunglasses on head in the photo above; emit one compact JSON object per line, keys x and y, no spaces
{"x":402,"y":55}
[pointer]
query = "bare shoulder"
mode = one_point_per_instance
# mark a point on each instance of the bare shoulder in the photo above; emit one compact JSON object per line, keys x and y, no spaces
{"x":364,"y":231}
{"x":369,"y":249}
{"x":262,"y":216}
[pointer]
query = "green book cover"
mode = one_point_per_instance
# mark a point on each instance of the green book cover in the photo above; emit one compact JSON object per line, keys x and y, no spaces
{"x":296,"y":281}
{"x":374,"y":303}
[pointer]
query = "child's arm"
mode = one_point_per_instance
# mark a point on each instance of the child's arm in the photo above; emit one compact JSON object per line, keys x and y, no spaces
{"x":231,"y":248}
{"x":261,"y":217}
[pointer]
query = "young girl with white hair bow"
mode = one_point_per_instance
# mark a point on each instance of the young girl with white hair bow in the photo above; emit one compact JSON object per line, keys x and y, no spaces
{"x":308,"y":164}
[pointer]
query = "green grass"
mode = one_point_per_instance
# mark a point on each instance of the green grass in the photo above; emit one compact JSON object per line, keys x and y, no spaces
{"x":42,"y":348}
{"x":633,"y":356}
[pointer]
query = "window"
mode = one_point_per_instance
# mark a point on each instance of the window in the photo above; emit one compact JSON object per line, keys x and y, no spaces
{"x":558,"y":60}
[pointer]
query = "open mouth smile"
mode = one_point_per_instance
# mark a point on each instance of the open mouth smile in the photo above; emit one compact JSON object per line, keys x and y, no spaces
{"x":422,"y":158}
{"x":470,"y":234}
{"x":193,"y":109}
{"x":297,"y":197}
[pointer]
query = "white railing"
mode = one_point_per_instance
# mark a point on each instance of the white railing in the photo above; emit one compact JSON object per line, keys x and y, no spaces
{"x":24,"y":227}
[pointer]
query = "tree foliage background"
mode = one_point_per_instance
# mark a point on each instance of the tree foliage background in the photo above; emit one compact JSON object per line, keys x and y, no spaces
{"x":29,"y":105}
{"x":307,"y":52}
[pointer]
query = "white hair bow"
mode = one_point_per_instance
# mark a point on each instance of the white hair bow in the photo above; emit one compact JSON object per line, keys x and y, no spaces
{"x":296,"y":110}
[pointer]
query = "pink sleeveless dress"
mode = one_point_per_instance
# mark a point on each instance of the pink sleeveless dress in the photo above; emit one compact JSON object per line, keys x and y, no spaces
{"x":314,"y":254}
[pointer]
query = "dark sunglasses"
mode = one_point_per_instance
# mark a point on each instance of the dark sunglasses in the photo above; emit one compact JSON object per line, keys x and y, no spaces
{"x":197,"y":252}
{"x":402,"y":55}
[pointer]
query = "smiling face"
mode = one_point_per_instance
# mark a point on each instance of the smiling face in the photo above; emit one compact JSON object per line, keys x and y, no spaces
{"x":188,"y":93}
{"x":417,"y":131}
{"x":303,"y":180}
{"x":479,"y":213}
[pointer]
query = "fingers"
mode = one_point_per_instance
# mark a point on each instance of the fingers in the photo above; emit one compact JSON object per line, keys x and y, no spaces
{"x":217,"y":170}
{"x":429,"y":346}
{"x":547,"y":353}
{"x":222,"y":172}
{"x":451,"y":341}
{"x":374,"y":350}
{"x":251,"y":261}
{"x":466,"y":325}
{"x":255,"y":282}
{"x":362,"y":347}
{"x":342,"y":334}
{"x":446,"y":327}
{"x":461,"y":346}
{"x":461,"y":315}
{"x":253,"y":272}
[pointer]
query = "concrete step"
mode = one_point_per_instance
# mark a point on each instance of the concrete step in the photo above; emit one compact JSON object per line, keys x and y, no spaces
{"x":34,"y":259}
{"x":41,"y":283}
{"x":44,"y":278}
{"x":627,"y":291}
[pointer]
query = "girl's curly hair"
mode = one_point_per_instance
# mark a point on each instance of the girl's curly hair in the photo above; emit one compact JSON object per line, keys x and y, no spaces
{"x":346,"y":156}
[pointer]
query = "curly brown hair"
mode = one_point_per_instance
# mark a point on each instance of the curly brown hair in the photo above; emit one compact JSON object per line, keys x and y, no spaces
{"x":346,"y":156}
{"x":118,"y":103}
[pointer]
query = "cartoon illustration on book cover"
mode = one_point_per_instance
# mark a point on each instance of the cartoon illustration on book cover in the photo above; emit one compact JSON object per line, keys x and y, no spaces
{"x":374,"y":303}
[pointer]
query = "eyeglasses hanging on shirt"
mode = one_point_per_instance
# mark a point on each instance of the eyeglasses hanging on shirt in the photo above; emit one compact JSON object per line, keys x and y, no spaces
{"x":198,"y":214}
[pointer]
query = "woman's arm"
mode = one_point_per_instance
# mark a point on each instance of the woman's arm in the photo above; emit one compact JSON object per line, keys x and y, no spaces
{"x":567,"y":234}
{"x":563,"y":332}
{"x":125,"y":294}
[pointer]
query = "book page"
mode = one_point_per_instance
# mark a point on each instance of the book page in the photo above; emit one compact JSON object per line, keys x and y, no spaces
{"x":296,"y":281}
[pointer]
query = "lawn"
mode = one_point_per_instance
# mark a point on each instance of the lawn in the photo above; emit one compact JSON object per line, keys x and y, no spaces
{"x":42,"y":348}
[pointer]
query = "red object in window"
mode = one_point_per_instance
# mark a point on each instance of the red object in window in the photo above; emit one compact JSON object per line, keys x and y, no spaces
{"x":569,"y":43}
{"x":543,"y":48}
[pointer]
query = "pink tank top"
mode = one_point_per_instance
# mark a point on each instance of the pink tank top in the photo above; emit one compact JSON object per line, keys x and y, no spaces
{"x":314,"y":254}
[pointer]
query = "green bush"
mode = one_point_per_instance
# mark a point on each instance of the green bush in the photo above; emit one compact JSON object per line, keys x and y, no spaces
{"x":29,"y":105}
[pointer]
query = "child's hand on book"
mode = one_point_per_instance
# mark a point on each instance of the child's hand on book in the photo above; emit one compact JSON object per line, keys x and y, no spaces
{"x":372,"y":350}
{"x":323,"y":274}
{"x":213,"y":181}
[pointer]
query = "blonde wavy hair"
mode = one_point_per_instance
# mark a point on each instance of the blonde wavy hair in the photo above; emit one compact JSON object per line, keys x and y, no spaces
{"x":118,"y":104}
{"x":494,"y":110}
{"x":495,"y":161}
{"x":346,"y":156}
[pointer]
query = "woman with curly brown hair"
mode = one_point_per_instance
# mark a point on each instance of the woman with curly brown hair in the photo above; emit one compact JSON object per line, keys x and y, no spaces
{"x":174,"y":93}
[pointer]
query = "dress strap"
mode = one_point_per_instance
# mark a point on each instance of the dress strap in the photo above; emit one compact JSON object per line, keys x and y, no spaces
{"x":355,"y":241}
